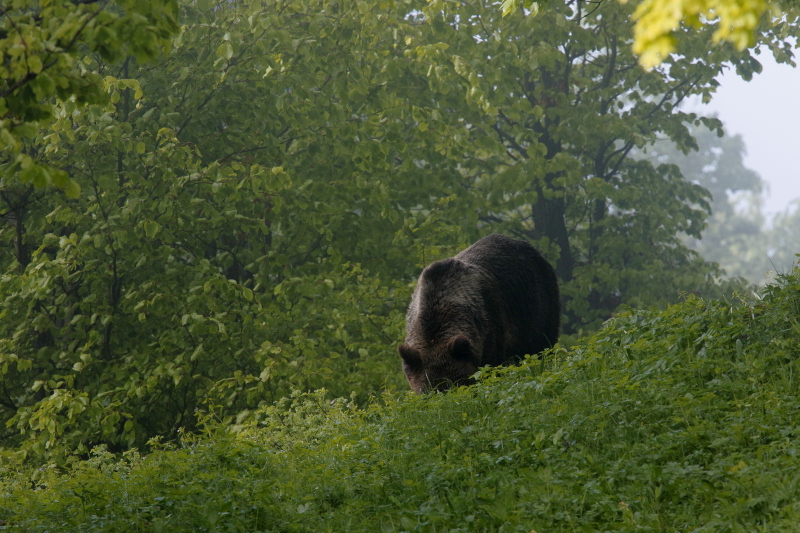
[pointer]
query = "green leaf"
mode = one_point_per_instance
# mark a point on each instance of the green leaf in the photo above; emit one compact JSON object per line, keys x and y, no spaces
{"x":151,"y":228}
{"x":225,"y":50}
{"x":72,"y":189}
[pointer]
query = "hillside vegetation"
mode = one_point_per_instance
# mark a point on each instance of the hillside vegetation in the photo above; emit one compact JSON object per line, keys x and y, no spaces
{"x":682,"y":420}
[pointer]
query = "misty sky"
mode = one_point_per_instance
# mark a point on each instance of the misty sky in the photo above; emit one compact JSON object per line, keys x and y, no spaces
{"x":766,"y":112}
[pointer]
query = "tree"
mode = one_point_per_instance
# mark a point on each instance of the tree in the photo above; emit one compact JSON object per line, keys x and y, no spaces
{"x":658,"y":24}
{"x":42,"y":44}
{"x":783,"y":238}
{"x":253,"y":210}
{"x":736,"y":21}
{"x":733,"y":237}
{"x":739,"y":237}
{"x":556,"y":106}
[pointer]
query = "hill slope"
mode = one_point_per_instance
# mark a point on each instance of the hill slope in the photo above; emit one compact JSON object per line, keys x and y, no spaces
{"x":687,"y":420}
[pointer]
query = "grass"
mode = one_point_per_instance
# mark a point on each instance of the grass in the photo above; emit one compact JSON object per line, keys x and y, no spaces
{"x":683,"y":420}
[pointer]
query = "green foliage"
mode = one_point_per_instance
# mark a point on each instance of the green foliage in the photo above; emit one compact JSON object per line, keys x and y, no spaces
{"x":42,"y":46}
{"x":660,"y":26}
{"x":678,"y":420}
{"x":554,"y":118}
{"x":736,"y":21}
{"x":255,"y":206}
{"x":235,"y":238}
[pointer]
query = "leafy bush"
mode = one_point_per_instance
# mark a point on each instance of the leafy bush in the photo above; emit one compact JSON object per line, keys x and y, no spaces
{"x":680,"y":420}
{"x":205,"y":270}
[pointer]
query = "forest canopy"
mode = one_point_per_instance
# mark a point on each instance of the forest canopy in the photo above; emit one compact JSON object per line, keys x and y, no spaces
{"x":241,"y":213}
{"x":657,"y":23}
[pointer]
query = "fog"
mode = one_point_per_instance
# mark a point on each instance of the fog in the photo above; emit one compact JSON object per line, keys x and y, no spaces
{"x":766,"y":112}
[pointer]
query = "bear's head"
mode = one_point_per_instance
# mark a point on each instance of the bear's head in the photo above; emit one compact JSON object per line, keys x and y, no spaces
{"x":439,"y":366}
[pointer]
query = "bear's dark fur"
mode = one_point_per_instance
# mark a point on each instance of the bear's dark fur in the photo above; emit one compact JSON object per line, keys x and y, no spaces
{"x":489,"y":305}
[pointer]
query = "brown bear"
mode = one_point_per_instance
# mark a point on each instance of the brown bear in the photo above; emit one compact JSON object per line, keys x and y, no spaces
{"x":489,"y":305}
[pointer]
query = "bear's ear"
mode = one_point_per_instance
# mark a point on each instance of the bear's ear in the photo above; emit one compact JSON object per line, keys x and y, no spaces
{"x":460,"y":348}
{"x":410,"y":356}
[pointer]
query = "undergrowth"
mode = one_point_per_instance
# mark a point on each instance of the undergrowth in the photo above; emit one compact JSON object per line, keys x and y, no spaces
{"x":682,"y":420}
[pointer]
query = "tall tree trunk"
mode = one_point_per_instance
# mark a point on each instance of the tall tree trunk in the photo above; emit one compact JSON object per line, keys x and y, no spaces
{"x":549,"y":220}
